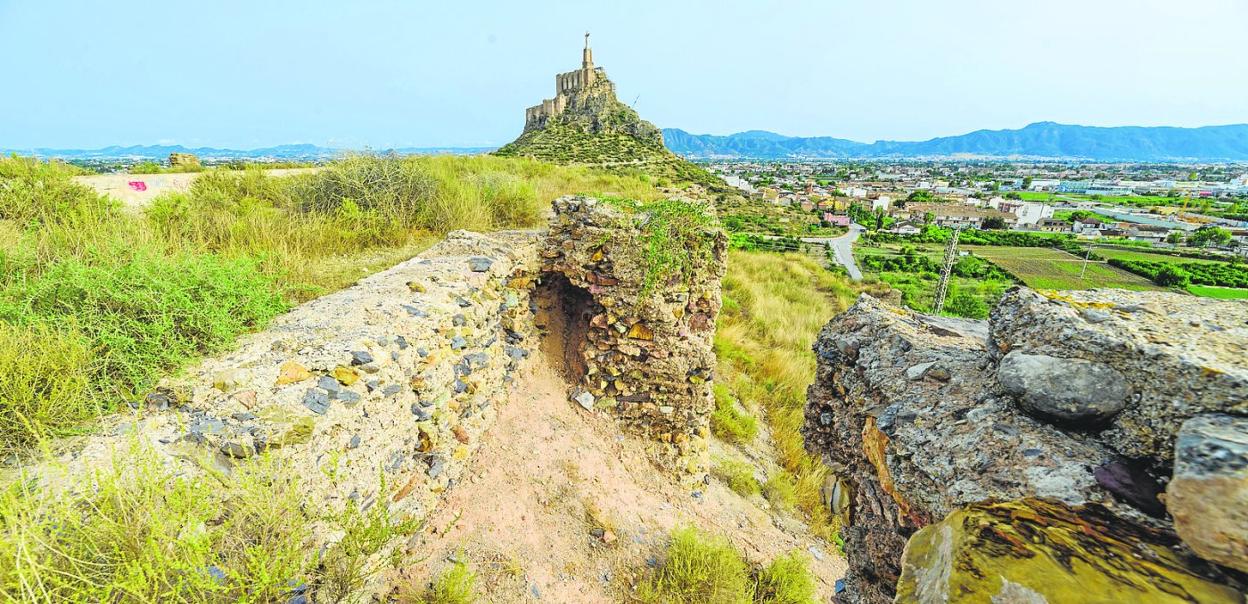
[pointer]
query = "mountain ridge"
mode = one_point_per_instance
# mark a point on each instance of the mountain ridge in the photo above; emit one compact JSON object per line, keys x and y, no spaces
{"x":1037,"y":140}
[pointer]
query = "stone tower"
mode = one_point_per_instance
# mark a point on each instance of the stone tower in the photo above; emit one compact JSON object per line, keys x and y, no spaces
{"x":587,"y":56}
{"x":569,"y":86}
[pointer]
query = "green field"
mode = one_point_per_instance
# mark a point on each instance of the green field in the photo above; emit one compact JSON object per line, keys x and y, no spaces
{"x":1121,"y":254}
{"x":1049,"y":268}
{"x":1223,"y":293}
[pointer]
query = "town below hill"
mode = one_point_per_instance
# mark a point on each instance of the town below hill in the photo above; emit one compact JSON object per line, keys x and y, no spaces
{"x":1058,"y":226}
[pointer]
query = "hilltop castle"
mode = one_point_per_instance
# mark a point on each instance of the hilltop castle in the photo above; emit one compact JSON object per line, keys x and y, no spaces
{"x":569,"y":87}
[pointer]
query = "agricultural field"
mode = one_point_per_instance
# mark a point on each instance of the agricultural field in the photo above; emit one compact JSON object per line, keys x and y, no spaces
{"x":1121,"y":254}
{"x":1223,"y":293}
{"x":1049,"y":268}
{"x":913,"y":270}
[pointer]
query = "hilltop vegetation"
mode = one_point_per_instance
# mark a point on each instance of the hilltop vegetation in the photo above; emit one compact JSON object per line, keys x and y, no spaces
{"x":97,"y":303}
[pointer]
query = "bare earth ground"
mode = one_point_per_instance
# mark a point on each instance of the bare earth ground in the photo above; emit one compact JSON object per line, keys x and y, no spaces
{"x":118,"y":185}
{"x":547,"y":475}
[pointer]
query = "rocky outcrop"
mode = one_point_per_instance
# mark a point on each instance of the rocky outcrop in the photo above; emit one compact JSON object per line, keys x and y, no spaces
{"x":1051,"y":407}
{"x":649,"y":277}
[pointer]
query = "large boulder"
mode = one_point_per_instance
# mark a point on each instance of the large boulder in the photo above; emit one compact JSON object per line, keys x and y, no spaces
{"x":1208,"y":495}
{"x":925,"y":416}
{"x":1181,"y":355}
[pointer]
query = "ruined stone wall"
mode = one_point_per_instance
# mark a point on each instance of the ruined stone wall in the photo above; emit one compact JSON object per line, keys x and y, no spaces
{"x":646,"y":348}
{"x":1032,"y":458}
{"x":396,"y":376}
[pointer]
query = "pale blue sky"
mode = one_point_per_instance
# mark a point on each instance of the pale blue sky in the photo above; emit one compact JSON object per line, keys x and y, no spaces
{"x":460,"y":73}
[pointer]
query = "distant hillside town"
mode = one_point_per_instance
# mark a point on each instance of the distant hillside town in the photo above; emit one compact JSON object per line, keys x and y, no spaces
{"x":1159,"y":204}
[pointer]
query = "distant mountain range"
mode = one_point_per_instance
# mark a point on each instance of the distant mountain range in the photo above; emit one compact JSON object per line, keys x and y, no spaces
{"x":1043,"y":140}
{"x":303,"y":152}
{"x":1039,"y":140}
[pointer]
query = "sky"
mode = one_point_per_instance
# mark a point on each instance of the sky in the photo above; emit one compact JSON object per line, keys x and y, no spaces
{"x":381,"y":74}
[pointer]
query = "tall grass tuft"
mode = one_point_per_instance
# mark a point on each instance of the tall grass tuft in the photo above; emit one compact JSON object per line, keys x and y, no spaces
{"x":699,"y":568}
{"x":138,"y":531}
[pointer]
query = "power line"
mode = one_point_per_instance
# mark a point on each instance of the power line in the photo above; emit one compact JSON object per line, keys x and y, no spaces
{"x":951,"y":255}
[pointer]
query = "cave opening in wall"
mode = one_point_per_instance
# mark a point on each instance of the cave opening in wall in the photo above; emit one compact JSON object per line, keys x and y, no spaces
{"x":563,"y":313}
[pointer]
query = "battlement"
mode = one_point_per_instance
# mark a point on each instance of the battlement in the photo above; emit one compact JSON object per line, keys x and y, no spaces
{"x":567,"y":85}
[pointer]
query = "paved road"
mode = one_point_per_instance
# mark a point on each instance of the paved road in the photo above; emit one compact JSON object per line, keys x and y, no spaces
{"x":843,"y":249}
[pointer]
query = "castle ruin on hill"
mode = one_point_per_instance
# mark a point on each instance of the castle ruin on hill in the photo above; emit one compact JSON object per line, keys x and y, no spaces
{"x":569,"y":87}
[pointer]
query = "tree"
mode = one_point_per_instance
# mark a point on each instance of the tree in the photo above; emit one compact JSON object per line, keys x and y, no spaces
{"x":1209,"y":235}
{"x":1013,"y":195}
{"x":879,"y":218}
{"x":1175,"y":238}
{"x":1027,"y":182}
{"x":920,"y":196}
{"x":928,"y":217}
{"x":994,"y":223}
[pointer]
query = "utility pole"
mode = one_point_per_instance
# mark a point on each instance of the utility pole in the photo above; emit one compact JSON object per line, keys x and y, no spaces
{"x":951,"y":257}
{"x":1086,"y":254}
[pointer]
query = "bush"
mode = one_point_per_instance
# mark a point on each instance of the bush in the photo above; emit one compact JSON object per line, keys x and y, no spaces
{"x":1172,"y":276}
{"x":698,"y":569}
{"x":730,"y":423}
{"x":967,"y":305}
{"x":138,"y":531}
{"x":144,"y":314}
{"x":34,"y":193}
{"x":787,"y":580}
{"x":45,"y":379}
{"x":457,"y":585}
{"x":737,"y":474}
{"x":779,"y":491}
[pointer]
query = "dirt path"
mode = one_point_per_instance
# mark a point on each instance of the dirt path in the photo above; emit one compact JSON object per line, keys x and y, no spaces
{"x":550,"y":476}
{"x":137,"y":196}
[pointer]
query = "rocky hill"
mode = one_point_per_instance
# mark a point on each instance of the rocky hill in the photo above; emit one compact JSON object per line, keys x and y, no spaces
{"x":586,"y":124}
{"x":1087,"y":446}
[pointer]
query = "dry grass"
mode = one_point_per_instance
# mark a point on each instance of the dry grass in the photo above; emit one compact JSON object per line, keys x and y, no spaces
{"x":774,"y":307}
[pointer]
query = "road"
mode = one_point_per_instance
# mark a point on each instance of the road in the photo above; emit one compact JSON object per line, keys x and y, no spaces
{"x":137,"y":196}
{"x":843,"y":249}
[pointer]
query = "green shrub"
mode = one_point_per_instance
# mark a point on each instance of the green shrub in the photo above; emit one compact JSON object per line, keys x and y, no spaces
{"x":787,"y":580}
{"x":145,"y":314}
{"x":737,"y":474}
{"x":35,"y":193}
{"x":779,"y":491}
{"x":138,"y":531}
{"x":698,"y":569}
{"x":45,"y":379}
{"x":730,"y":423}
{"x":457,"y":585}
{"x":964,"y":304}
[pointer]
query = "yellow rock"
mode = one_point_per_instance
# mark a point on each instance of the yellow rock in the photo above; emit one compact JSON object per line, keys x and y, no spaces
{"x":346,"y":375}
{"x":416,"y":287}
{"x":639,"y":331}
{"x":460,"y":453}
{"x":291,"y":372}
{"x":1034,"y":550}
